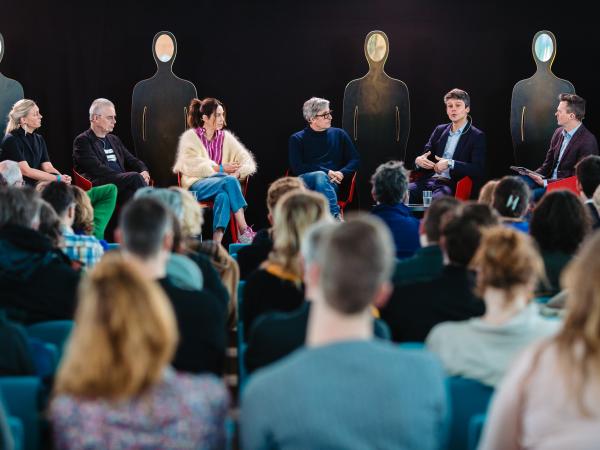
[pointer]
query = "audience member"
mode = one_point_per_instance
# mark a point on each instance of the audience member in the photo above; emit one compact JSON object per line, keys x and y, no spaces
{"x":508,"y":268}
{"x":322,"y":155}
{"x":250,"y":257}
{"x":390,"y":192}
{"x":146,"y":235}
{"x":101,"y":157}
{"x":11,"y":173}
{"x":588,"y":179}
{"x":486,"y":194}
{"x":36,"y":280}
{"x":415,"y":308}
{"x":78,"y":247}
{"x":211,"y":161}
{"x":551,"y":396}
{"x":51,"y":227}
{"x":427,"y":263}
{"x":114,"y":388}
{"x":511,"y":201}
{"x":277,"y":284}
{"x":321,"y":395}
{"x":28,"y":149}
{"x":559,"y":224}
{"x":278,"y":334}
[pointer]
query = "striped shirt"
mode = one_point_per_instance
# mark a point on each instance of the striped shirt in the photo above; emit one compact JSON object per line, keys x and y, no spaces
{"x":214,"y":147}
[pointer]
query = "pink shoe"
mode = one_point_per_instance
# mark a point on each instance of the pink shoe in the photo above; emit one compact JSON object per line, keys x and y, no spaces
{"x":247,"y":236}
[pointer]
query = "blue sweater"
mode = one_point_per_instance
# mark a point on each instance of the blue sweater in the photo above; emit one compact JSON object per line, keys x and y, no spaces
{"x":332,"y":149}
{"x":404,"y":228}
{"x":347,"y":395}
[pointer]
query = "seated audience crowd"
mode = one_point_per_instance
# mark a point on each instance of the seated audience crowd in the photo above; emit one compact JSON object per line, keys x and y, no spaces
{"x":351,"y":327}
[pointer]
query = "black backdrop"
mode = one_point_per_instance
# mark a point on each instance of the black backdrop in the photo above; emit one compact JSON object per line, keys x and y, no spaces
{"x":264,"y":58}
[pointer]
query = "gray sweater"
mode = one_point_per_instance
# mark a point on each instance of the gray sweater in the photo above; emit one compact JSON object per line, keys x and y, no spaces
{"x":347,"y":395}
{"x":475,"y":349}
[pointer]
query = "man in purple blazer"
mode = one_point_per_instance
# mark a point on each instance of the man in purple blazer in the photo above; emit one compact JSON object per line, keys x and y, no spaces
{"x":570,"y":143}
{"x":454,"y":150}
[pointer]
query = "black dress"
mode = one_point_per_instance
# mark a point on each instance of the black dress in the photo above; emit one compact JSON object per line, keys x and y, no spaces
{"x":21,"y":146}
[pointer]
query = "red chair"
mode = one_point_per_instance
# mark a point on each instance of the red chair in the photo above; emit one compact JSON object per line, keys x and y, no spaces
{"x":569,"y":184}
{"x":81,"y":181}
{"x":346,"y":192}
{"x":463,"y":189}
{"x":210,"y":204}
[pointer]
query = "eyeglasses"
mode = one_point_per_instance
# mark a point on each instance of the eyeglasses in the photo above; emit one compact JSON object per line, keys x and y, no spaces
{"x":325,"y":114}
{"x":110,"y":118}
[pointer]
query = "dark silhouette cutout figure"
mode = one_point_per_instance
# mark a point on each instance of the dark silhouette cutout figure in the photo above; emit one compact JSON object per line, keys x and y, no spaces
{"x":159,"y":110}
{"x":11,"y":92}
{"x":376,"y":115}
{"x":534,"y":103}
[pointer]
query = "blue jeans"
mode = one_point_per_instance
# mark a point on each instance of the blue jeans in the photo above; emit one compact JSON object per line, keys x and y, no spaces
{"x":319,"y":181}
{"x":537,"y":191}
{"x":226,"y":193}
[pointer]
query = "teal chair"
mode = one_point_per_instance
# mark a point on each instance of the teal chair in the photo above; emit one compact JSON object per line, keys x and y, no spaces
{"x":11,"y":429}
{"x":235,"y":248}
{"x":468,"y":398}
{"x":475,"y":429}
{"x":22,"y":397}
{"x":55,"y":332}
{"x":241,"y":343}
{"x":412,"y":345}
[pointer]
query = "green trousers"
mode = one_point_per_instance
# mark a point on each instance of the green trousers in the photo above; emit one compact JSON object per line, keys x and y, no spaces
{"x":104,"y":199}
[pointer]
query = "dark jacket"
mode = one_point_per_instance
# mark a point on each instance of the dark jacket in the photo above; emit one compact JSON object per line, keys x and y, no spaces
{"x":414,"y":309}
{"x":15,"y":353}
{"x":469,"y":155}
{"x":90,"y":161}
{"x":249,"y":258}
{"x":201,"y":322}
{"x":582,"y":144}
{"x":427,"y":263}
{"x":37,"y":282}
{"x":278,"y":334}
{"x":403,"y":226}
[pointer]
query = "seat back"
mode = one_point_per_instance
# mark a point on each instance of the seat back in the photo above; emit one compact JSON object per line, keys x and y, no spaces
{"x":468,"y":398}
{"x":81,"y":181}
{"x":569,"y":184}
{"x":463,"y":188}
{"x":22,"y":400}
{"x":55,"y":332}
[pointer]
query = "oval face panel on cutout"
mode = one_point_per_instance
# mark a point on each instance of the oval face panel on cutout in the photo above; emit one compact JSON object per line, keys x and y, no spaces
{"x":544,"y":47}
{"x":164,"y":48}
{"x":376,"y":47}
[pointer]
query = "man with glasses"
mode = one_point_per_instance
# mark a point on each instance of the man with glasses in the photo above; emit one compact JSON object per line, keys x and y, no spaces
{"x":322,"y":155}
{"x":101,"y":157}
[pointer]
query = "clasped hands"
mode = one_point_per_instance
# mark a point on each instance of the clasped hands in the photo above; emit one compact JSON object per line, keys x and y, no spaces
{"x":232,"y":169}
{"x":424,"y":162}
{"x":335,"y":176}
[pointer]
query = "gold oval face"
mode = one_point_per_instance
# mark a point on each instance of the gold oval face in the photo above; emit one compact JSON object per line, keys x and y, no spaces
{"x":376,"y":47}
{"x":164,"y":47}
{"x":544,"y":47}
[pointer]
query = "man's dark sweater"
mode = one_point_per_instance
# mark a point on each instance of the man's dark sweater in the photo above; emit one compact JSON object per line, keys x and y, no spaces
{"x":37,"y":282}
{"x":278,"y":334}
{"x":331,"y":149}
{"x":201,"y":322}
{"x":414,"y":309}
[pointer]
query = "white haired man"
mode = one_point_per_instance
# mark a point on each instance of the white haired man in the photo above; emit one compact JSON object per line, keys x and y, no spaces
{"x":101,"y":157}
{"x":320,"y":154}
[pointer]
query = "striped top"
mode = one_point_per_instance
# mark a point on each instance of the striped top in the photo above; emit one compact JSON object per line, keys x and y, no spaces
{"x":214,"y":147}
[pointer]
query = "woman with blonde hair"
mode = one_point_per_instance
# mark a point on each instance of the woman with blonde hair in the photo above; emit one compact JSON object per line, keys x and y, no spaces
{"x":277,"y":284}
{"x":508,"y":268}
{"x":27,"y":148}
{"x":211,"y":161}
{"x":551,"y":396}
{"x":114,"y":388}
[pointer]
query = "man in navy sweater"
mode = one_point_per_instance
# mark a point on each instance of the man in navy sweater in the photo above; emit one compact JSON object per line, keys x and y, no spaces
{"x":320,"y":154}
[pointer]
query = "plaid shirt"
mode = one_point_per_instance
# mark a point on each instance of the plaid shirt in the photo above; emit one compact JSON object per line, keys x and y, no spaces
{"x":78,"y":247}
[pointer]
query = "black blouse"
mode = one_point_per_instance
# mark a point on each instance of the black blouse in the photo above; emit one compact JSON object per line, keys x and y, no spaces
{"x":21,"y":146}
